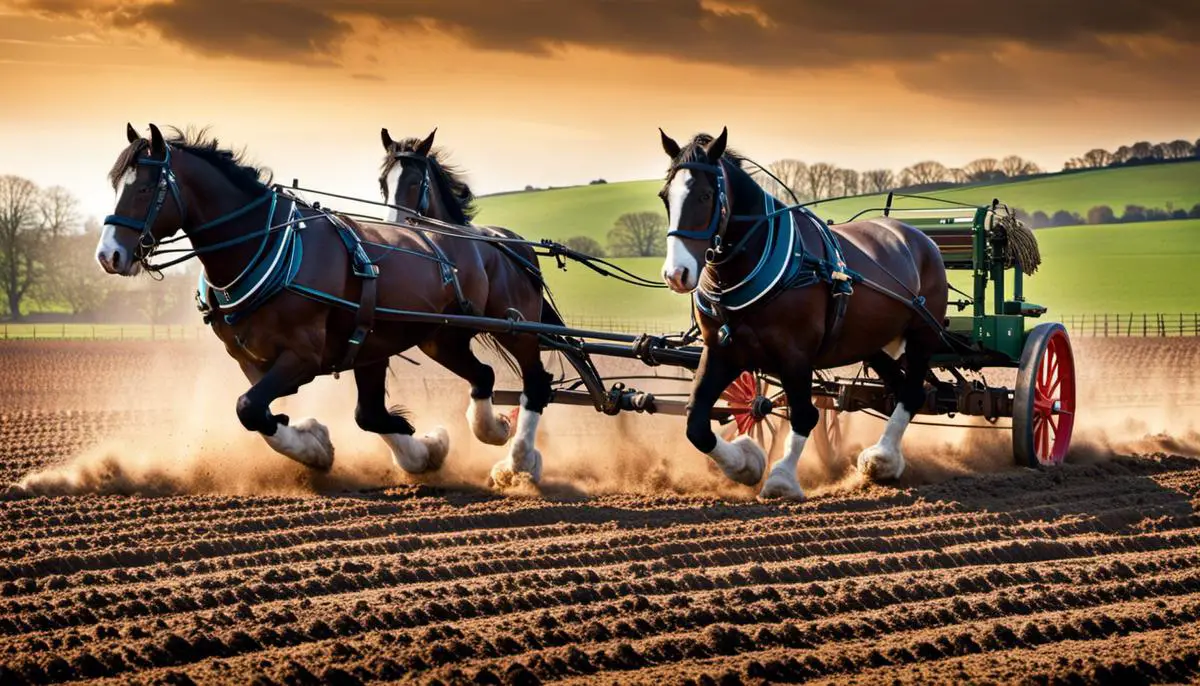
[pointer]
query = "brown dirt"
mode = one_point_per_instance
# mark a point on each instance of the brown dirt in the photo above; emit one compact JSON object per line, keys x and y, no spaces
{"x":189,"y":552}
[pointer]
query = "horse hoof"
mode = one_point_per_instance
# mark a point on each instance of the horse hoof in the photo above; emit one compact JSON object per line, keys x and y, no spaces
{"x":418,"y":455}
{"x":306,"y":441}
{"x":437,"y":442}
{"x":878,"y":463}
{"x":516,"y":470}
{"x":742,"y":460}
{"x":489,"y":426}
{"x":781,"y":486}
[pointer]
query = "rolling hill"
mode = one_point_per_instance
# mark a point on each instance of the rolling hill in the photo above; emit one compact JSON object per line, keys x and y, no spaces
{"x":1113,"y":268}
{"x":591,"y":210}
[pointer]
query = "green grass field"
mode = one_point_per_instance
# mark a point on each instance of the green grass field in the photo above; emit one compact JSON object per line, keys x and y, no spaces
{"x":1148,"y":267}
{"x":1111,"y":268}
{"x":592,"y":210}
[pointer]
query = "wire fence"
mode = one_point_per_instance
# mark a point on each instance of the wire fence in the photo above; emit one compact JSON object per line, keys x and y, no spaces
{"x":1133,"y":324}
{"x":1111,"y":325}
{"x":102,"y":332}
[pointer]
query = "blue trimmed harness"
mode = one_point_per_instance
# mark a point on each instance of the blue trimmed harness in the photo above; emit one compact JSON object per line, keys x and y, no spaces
{"x":272,"y":269}
{"x":785,"y":262}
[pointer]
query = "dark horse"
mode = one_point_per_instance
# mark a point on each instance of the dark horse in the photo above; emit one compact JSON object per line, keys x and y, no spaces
{"x":415,"y":177}
{"x":286,"y":287}
{"x":768,"y":281}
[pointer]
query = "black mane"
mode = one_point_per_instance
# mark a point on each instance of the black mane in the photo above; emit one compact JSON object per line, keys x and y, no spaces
{"x":231,"y":164}
{"x":693,"y":151}
{"x":449,"y":178}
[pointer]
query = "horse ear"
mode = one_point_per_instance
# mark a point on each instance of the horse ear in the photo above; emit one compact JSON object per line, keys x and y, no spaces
{"x":717,"y":147}
{"x":427,"y":144}
{"x":158,"y":146}
{"x":669,"y":145}
{"x":386,"y":138}
{"x":131,"y":133}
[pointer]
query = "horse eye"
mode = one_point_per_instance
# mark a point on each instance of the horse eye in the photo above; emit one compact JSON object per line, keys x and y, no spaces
{"x":706,"y":196}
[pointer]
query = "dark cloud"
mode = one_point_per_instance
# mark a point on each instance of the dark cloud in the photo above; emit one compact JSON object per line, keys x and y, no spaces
{"x":768,"y":34}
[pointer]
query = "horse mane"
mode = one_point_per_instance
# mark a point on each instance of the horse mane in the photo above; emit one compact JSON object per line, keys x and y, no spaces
{"x":231,"y":164}
{"x":694,"y":151}
{"x":449,"y":178}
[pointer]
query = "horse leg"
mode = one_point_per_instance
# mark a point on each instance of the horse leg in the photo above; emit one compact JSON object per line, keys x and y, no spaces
{"x":741,"y":460}
{"x":451,"y":348}
{"x":781,"y":480}
{"x":884,"y":460}
{"x":414,"y":455}
{"x":523,"y":457}
{"x":305,"y":441}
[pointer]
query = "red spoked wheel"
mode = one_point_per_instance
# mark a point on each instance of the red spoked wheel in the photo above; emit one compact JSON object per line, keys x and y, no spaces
{"x":759,"y":410}
{"x":1044,"y":401}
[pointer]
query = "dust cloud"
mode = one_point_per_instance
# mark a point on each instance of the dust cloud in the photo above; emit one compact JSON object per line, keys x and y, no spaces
{"x":191,"y":441}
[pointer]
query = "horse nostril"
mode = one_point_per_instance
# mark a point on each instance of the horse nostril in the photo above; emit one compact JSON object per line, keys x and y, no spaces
{"x":116,"y":260}
{"x":683,"y":275}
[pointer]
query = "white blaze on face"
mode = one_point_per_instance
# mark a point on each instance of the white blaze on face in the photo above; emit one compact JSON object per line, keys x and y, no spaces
{"x":679,"y":259}
{"x":393,"y":182}
{"x":108,"y":248}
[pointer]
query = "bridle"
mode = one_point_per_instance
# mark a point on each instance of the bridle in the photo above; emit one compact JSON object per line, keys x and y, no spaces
{"x":166,"y":183}
{"x":718,"y":223}
{"x":423,"y":200}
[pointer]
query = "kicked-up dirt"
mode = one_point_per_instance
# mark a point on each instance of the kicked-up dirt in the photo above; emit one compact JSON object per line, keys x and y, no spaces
{"x":153,"y":541}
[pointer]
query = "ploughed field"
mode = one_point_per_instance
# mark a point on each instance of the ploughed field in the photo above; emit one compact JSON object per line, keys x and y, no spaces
{"x":172,"y":561}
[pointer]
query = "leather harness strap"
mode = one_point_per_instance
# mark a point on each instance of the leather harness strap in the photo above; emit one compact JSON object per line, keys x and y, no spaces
{"x":364,"y":322}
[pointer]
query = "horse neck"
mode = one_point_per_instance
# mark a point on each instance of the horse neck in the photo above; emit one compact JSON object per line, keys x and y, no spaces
{"x":209,"y":196}
{"x":747,"y":197}
{"x":439,"y":197}
{"x":439,"y":207}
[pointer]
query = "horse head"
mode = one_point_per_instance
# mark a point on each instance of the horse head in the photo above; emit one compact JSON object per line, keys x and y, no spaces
{"x":698,"y":201}
{"x":149,"y":203}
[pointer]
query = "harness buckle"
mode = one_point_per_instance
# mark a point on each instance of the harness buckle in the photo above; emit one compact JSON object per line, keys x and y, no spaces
{"x":724,"y":336}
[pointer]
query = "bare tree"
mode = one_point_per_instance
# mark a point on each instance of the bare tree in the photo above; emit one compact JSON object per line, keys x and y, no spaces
{"x":984,"y":169}
{"x":1097,"y":158}
{"x":1014,"y":166}
{"x":1179,"y":149}
{"x":849,"y":182}
{"x":925,"y":172}
{"x":1122,"y":154}
{"x":72,"y":275}
{"x":820,"y":180}
{"x":59,"y":210}
{"x":793,"y":174}
{"x":878,"y":181}
{"x":19,"y":218}
{"x":1141,"y":150}
{"x":638,"y":234}
{"x":958,"y":175}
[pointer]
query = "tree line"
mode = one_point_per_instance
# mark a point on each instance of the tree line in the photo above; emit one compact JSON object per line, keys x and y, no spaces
{"x":47,"y":257}
{"x":1142,"y":152}
{"x":806,"y":182}
{"x":1103,"y":214}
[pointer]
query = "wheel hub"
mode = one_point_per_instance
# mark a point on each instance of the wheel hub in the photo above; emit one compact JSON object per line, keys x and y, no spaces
{"x":761,"y":407}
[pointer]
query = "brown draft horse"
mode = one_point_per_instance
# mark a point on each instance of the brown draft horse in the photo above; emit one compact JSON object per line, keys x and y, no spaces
{"x":717,"y":241}
{"x":415,"y":177}
{"x":287,"y":324}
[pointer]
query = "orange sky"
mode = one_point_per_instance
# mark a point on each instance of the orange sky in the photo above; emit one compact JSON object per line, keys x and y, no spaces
{"x":552,"y":92}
